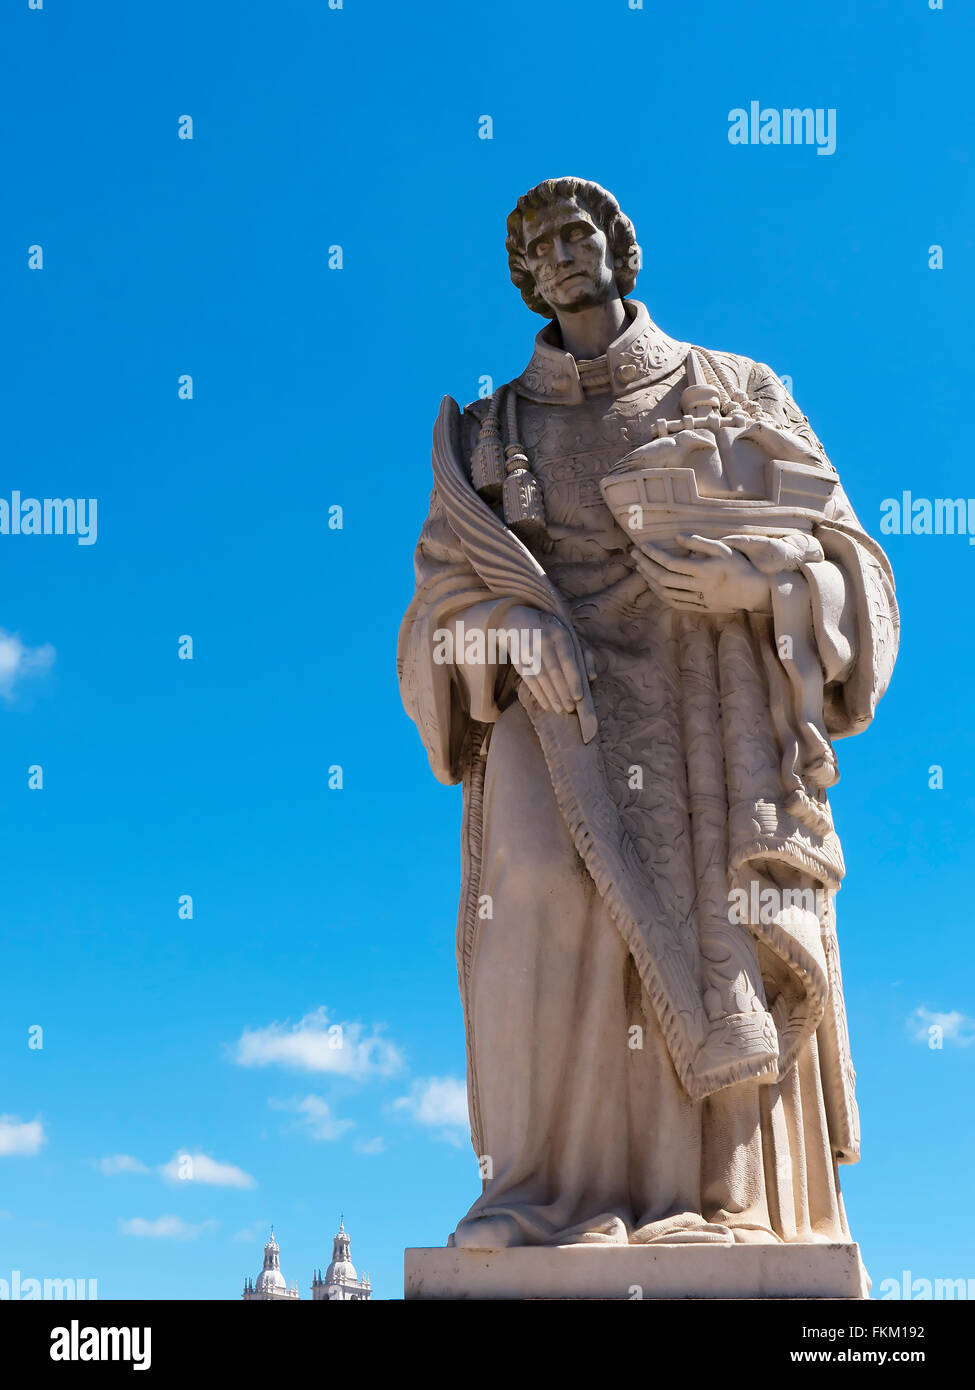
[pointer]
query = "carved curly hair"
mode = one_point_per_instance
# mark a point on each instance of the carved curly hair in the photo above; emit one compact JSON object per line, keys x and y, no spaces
{"x":604,"y":211}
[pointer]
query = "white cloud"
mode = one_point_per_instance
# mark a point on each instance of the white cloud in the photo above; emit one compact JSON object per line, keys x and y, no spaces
{"x":316,"y":1045}
{"x":315,"y":1117}
{"x":200,"y":1167}
{"x":121,"y":1163}
{"x":21,"y":1137}
{"x":440,"y":1103}
{"x":164,"y":1228}
{"x":18,"y":662}
{"x":953,"y":1027}
{"x":184,"y":1166}
{"x":250,"y":1233}
{"x":371,"y":1146}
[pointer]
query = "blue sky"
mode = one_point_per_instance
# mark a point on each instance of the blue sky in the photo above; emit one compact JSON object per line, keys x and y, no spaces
{"x":316,"y":387}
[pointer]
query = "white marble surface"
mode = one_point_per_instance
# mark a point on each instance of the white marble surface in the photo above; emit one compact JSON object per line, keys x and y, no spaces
{"x":633,"y":1271}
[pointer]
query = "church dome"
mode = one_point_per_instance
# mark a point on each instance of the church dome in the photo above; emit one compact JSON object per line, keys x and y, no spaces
{"x":341,"y":1270}
{"x":269,"y":1279}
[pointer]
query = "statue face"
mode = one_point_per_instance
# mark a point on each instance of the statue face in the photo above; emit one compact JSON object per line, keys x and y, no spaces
{"x":569,"y":257}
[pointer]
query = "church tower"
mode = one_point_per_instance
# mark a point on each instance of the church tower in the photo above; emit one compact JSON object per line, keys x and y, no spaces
{"x":270,"y":1284}
{"x":341,"y":1280}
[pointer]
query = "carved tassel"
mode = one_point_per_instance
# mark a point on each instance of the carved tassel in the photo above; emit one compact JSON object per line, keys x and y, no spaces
{"x":487,"y":457}
{"x":524,"y":505}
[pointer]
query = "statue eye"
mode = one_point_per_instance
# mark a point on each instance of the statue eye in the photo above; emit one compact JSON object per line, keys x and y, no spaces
{"x":579,"y":232}
{"x":542,"y":248}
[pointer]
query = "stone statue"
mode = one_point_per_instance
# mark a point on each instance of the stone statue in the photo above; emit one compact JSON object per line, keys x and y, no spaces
{"x":644,"y":613}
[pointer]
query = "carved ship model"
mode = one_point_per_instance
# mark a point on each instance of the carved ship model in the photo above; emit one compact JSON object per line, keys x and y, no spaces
{"x":746,"y":490}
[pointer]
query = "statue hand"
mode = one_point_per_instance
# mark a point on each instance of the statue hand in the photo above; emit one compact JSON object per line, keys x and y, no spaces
{"x":547,"y":664}
{"x":711,"y":578}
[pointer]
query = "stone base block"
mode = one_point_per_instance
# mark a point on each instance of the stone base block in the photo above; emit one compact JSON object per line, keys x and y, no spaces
{"x":635,"y":1271}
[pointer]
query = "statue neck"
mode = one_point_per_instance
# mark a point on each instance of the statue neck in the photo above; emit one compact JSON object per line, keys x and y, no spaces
{"x":589,"y":332}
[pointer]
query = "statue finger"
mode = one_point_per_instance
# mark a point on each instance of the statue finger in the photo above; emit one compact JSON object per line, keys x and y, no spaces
{"x":685,"y":593}
{"x":651,"y":570}
{"x":658,"y":588}
{"x":705,"y":546}
{"x":556,"y":678}
{"x":553,"y":698}
{"x":676,"y":564}
{"x":686,"y":585}
{"x":541,"y":692}
{"x":565,"y":649}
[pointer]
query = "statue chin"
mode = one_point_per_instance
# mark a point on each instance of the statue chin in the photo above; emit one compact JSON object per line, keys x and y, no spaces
{"x":588,"y":297}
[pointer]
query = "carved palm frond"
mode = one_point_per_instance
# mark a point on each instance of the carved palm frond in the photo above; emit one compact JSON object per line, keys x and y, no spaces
{"x":503,"y":561}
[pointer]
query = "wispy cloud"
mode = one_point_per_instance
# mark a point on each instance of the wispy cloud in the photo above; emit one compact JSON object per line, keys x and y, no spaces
{"x":120,"y":1163}
{"x":314,"y":1044}
{"x":250,"y":1233}
{"x":184,"y":1166}
{"x":200,"y":1167}
{"x":164,"y":1228}
{"x":439,"y":1103}
{"x":371,"y":1146}
{"x":21,"y":1137}
{"x":952,"y":1027}
{"x":315,"y":1117}
{"x":19,"y":662}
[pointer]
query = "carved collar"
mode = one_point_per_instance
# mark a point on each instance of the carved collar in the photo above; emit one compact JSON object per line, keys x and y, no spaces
{"x":642,"y":353}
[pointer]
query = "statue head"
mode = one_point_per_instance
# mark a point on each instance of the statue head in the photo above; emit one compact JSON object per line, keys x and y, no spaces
{"x":570,"y":247}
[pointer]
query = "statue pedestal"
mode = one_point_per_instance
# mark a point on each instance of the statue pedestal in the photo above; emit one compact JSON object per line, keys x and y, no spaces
{"x":634,"y":1271}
